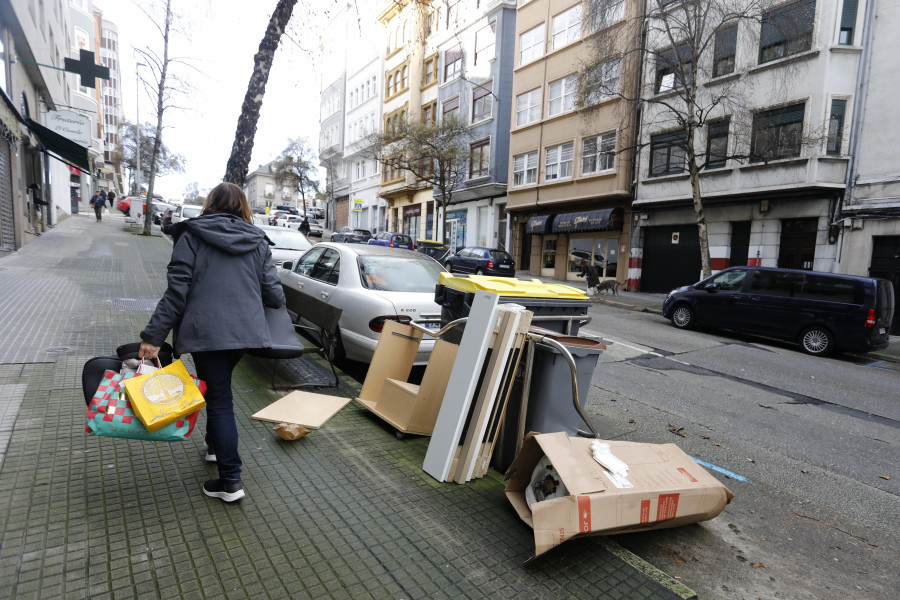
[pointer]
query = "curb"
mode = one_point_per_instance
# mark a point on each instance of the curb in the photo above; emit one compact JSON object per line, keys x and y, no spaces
{"x":658,"y":575}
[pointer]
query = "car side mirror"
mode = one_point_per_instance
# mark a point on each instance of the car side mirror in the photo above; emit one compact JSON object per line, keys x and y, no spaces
{"x":287,"y":265}
{"x":711,"y":287}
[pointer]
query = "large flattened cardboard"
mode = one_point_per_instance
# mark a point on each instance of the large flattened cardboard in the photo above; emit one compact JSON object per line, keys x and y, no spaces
{"x":393,"y":359}
{"x":670,"y":490}
{"x":302,"y":408}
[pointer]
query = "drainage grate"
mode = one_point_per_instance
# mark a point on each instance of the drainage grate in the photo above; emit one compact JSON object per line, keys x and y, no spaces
{"x":133,"y":303}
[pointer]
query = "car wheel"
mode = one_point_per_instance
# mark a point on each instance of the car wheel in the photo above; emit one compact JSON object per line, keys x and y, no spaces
{"x":683,"y":316}
{"x":332,"y":345}
{"x":817,"y":341}
{"x":449,"y":266}
{"x":479,"y":271}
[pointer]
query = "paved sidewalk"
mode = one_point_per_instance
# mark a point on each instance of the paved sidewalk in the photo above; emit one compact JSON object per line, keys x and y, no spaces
{"x":346,"y":512}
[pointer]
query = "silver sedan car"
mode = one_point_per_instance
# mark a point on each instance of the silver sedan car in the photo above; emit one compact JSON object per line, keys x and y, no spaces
{"x":371,"y":284}
{"x":289,"y":243}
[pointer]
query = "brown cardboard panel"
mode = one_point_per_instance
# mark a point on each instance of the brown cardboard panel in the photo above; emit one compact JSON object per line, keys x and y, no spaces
{"x":302,"y":408}
{"x":393,"y":358}
{"x":668,"y":489}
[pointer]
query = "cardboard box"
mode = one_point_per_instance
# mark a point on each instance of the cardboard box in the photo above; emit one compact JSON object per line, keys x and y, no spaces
{"x":667,"y":489}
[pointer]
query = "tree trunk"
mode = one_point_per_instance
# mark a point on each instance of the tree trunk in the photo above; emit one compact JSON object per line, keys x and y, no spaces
{"x":701,"y":219}
{"x":238,"y":162}
{"x":160,"y":99}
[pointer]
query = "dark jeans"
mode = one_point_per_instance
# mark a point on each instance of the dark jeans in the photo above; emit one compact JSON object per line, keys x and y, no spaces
{"x":215,"y":369}
{"x":97,"y":211}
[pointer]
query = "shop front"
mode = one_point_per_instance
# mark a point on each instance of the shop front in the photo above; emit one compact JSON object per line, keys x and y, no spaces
{"x":581,"y":238}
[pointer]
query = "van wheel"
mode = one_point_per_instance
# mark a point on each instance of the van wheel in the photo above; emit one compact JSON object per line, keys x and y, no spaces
{"x":449,"y":266}
{"x":817,"y":341}
{"x":479,"y":271}
{"x":683,"y":316}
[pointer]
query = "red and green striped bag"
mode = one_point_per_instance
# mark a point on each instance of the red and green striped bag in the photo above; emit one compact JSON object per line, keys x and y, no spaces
{"x":109,"y":414}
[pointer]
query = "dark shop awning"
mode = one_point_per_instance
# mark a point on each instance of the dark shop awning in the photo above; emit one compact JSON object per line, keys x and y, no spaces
{"x":538,"y":225}
{"x":63,"y":148}
{"x":590,"y":220}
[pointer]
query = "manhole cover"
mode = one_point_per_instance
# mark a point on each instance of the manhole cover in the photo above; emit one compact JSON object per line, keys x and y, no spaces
{"x":51,"y":350}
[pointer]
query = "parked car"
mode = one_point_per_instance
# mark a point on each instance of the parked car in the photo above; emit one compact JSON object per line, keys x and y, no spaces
{"x":822,"y":312}
{"x":289,"y":244}
{"x":351,"y":235}
{"x":288,"y":220}
{"x":275,"y":215}
{"x":315,"y":227}
{"x":185,"y":212}
{"x":392,"y":239}
{"x":436,"y":250}
{"x":371,"y":284}
{"x":481,"y":261}
{"x":159,"y":208}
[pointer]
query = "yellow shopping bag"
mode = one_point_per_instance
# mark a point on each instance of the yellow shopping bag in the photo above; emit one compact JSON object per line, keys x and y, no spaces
{"x":163,"y":396}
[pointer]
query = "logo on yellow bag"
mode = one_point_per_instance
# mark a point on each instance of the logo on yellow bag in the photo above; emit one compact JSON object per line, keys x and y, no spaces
{"x":163,"y":389}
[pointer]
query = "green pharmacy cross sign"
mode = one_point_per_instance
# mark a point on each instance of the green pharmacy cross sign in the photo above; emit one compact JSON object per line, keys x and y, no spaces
{"x":87,"y":68}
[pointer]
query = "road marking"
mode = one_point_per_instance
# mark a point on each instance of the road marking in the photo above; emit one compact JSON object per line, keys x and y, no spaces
{"x":877,"y":362}
{"x":703,"y":463}
{"x":635,"y":348}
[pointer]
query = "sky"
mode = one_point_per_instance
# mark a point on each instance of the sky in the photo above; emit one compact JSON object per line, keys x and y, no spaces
{"x":219,"y":42}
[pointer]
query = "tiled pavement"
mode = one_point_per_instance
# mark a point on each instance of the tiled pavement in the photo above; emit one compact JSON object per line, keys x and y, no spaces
{"x":346,"y":512}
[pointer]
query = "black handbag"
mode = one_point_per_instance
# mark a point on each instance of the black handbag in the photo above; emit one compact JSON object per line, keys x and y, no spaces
{"x":285,"y":343}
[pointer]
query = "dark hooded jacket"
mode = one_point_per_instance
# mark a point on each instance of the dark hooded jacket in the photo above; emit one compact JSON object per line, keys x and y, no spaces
{"x":220,"y":277}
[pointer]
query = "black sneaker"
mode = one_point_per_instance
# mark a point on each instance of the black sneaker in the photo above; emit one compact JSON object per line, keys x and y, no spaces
{"x":229,"y":491}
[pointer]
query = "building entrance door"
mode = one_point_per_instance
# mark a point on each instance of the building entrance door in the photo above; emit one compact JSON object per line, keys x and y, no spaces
{"x":886,"y":264}
{"x":798,"y":244}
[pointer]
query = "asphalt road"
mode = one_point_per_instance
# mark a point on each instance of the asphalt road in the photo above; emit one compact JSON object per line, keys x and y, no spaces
{"x":815,"y":441}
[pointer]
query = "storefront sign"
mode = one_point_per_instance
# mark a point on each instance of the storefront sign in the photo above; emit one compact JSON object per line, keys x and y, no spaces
{"x":592,"y":220}
{"x":538,"y":225}
{"x":412,"y":211}
{"x":71,"y":126}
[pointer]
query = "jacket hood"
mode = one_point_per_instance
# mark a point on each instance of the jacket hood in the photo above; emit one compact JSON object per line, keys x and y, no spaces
{"x":226,"y":232}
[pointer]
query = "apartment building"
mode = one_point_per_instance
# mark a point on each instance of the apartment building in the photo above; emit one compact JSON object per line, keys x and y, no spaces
{"x":571,"y":140}
{"x":778,"y":91}
{"x":473,"y":69}
{"x":410,"y":86}
{"x":869,"y":221}
{"x":111,"y":104}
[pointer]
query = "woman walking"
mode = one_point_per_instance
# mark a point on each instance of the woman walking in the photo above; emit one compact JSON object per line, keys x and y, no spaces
{"x":220,"y":277}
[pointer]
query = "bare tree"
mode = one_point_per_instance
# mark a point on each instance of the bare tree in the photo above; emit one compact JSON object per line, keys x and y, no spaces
{"x":165,"y":85}
{"x":241,"y":150}
{"x":191,"y":193}
{"x":433,"y":154}
{"x":296,"y":167}
{"x":125,"y":153}
{"x":691,"y":87}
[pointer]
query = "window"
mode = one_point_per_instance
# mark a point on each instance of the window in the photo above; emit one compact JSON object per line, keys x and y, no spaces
{"x":430,"y":72}
{"x":525,"y":168}
{"x":777,"y":133}
{"x":836,"y":126}
{"x":450,"y":109}
{"x":405,"y":77}
{"x":598,"y":153}
{"x":667,"y":155}
{"x":567,"y":27}
{"x":562,"y":95}
{"x":484,"y":43}
{"x":528,"y":107}
{"x":730,"y":281}
{"x":787,"y":30}
{"x":848,"y":22}
{"x":558,"y":162}
{"x":717,"y":144}
{"x":601,"y":82}
{"x":605,"y":14}
{"x":452,"y":63}
{"x":723,"y":54}
{"x":480,"y":159}
{"x":531,"y":45}
{"x":431,"y":22}
{"x":397,"y":82}
{"x":429,"y":113}
{"x":673,"y":68}
{"x":388,"y":91}
{"x":482,"y":101}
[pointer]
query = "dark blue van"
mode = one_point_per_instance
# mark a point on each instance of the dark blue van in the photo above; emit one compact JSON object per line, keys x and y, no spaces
{"x":822,"y":312}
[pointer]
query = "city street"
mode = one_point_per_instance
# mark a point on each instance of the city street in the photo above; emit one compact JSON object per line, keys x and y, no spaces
{"x":811,"y":446}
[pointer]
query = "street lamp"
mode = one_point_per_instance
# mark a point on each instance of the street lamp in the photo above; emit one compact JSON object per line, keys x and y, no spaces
{"x":137,"y":105}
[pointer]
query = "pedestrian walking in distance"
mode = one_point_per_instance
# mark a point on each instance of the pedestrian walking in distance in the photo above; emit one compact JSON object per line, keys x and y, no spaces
{"x":98,"y":201}
{"x":220,"y":278}
{"x":304,"y":226}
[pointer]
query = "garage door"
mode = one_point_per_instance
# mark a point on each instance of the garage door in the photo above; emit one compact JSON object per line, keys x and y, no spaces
{"x":671,"y":257}
{"x":886,"y":264}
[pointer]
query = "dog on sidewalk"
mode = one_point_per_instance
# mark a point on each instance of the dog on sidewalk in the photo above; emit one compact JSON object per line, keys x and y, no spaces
{"x":608,"y":286}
